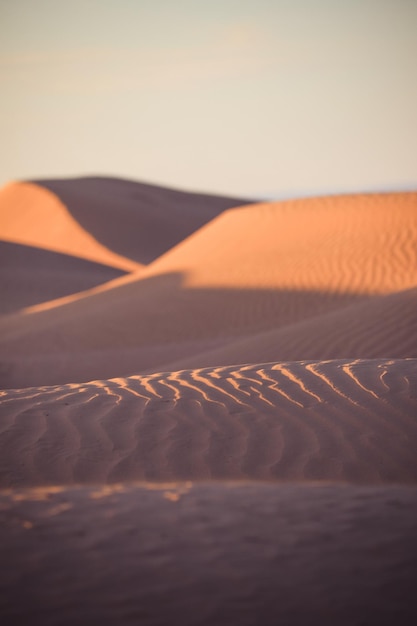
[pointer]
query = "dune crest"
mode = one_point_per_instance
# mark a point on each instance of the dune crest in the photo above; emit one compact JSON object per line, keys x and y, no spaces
{"x":251,"y":271}
{"x":352,"y":244}
{"x":138,"y":220}
{"x":34,"y":216}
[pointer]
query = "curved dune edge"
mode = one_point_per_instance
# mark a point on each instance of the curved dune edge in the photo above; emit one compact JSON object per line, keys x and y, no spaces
{"x":334,"y":420}
{"x":240,"y":554}
{"x":347,"y":244}
{"x":121,"y":223}
{"x":35,"y":216}
{"x":138,"y":220}
{"x":251,"y":270}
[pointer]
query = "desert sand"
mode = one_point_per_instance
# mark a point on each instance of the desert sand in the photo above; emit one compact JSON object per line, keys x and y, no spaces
{"x":208,"y":407}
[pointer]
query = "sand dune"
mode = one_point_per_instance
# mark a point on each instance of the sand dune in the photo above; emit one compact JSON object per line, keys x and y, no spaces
{"x":226,"y":435}
{"x":379,"y":327}
{"x":110,"y":221}
{"x":118,"y":224}
{"x":335,"y":420}
{"x":357,"y":244}
{"x":33,"y":216}
{"x":133,"y":219}
{"x":251,"y":270}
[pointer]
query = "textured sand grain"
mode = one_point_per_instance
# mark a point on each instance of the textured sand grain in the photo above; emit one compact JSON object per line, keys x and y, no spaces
{"x":337,"y":420}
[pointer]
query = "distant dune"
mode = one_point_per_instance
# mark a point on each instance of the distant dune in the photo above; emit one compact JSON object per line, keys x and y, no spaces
{"x":32,"y":215}
{"x":135,"y":220}
{"x":121,"y":225}
{"x":338,"y":264}
{"x":208,"y":407}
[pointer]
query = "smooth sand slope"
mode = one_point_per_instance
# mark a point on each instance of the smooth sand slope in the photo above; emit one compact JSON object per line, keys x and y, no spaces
{"x":379,"y":327}
{"x":209,"y":554}
{"x":252,"y":270}
{"x":226,"y":435}
{"x":31,"y":276}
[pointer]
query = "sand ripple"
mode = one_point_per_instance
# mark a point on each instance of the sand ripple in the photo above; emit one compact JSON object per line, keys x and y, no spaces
{"x":333,"y":420}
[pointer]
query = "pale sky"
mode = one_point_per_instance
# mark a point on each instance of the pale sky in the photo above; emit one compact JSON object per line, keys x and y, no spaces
{"x":247,"y":97}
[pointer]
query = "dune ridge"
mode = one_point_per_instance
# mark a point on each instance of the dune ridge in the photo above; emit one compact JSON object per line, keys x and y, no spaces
{"x":116,"y":222}
{"x":36,"y":217}
{"x":251,"y":270}
{"x":344,"y":244}
{"x":48,"y":227}
{"x":138,"y":220}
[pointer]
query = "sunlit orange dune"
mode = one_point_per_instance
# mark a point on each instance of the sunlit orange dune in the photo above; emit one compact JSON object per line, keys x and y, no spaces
{"x":108,"y":220}
{"x":115,"y":223}
{"x":257,"y":269}
{"x":357,"y":244}
{"x":351,"y":421}
{"x":33,"y":216}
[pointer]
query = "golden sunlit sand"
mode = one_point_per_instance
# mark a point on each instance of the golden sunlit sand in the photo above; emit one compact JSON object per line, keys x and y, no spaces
{"x":338,"y":264}
{"x":203,"y":394}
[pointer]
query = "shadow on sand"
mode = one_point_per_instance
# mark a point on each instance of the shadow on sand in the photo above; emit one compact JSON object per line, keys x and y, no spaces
{"x":136,"y":220}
